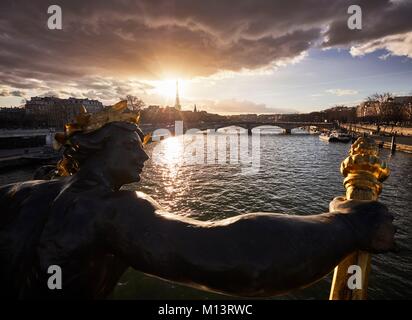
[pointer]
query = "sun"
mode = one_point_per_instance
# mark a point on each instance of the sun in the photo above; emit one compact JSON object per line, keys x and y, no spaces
{"x":167,"y":88}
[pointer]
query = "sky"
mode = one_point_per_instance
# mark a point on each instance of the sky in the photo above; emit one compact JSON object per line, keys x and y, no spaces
{"x":243,"y":56}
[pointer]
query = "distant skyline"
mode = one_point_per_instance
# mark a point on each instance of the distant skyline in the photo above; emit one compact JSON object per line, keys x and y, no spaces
{"x":229,"y":57}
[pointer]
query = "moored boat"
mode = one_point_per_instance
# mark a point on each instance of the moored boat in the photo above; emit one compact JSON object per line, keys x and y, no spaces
{"x":324,"y":136}
{"x":336,"y":136}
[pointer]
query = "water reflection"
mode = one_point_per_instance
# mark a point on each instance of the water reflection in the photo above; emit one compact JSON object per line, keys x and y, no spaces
{"x":167,"y":155}
{"x":171,"y":151}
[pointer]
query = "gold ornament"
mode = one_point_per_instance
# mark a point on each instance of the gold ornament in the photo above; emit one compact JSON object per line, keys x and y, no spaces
{"x":364,"y":172}
{"x":86,"y":122}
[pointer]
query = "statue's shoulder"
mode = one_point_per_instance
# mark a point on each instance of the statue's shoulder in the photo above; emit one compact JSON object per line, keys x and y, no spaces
{"x":132,"y":200}
{"x":28,"y":187}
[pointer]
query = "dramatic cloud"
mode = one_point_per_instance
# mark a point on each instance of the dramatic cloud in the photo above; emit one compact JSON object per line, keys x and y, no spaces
{"x":385,"y":25}
{"x":400,"y":45}
{"x":140,"y":39}
{"x":380,"y":18}
{"x":124,"y":40}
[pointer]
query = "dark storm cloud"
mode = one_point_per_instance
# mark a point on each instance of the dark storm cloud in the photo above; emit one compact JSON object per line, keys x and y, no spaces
{"x":149,"y":39}
{"x":379,"y":19}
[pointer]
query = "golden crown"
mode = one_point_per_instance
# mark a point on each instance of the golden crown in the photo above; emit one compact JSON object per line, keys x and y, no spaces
{"x":87,"y":122}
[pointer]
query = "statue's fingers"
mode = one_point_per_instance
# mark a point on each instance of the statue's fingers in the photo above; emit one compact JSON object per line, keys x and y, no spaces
{"x":336,"y":203}
{"x":339,"y":199}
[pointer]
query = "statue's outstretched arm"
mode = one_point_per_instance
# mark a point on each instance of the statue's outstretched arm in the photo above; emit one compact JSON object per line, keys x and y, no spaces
{"x":258,"y":254}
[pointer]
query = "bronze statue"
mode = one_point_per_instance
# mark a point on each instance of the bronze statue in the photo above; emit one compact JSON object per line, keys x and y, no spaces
{"x":83,"y":223}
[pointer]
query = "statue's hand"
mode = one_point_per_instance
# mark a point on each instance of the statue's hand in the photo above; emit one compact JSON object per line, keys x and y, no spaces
{"x":371,"y":222}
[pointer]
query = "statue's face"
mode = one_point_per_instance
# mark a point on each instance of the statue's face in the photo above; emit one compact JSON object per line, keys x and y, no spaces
{"x":125,"y":157}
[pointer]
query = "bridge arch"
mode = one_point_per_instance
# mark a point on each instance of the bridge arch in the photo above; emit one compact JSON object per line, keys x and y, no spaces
{"x":232,"y":127}
{"x":269,"y":128}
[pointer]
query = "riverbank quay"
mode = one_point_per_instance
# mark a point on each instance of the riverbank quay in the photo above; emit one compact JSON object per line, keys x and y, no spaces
{"x":403,"y":135}
{"x":386,"y":142}
{"x":23,"y":147}
{"x":24,"y":138}
{"x":13,"y":158}
{"x":381,"y":129}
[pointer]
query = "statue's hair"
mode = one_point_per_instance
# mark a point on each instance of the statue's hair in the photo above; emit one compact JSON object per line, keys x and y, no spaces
{"x":80,"y":146}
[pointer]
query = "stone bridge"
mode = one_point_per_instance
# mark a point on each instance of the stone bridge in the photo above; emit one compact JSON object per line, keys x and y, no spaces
{"x":287,"y":126}
{"x":249,"y":125}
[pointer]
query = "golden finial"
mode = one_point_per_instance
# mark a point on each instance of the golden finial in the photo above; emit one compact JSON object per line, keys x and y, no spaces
{"x":364,"y":172}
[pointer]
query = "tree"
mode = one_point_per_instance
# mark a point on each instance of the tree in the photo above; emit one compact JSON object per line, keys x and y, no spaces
{"x":408,"y":115}
{"x":381,"y":97}
{"x":134,"y":103}
{"x":407,"y":109}
{"x":385,"y":108}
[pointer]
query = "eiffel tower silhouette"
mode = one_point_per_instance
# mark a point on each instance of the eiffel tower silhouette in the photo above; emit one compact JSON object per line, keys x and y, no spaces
{"x":177,"y":102}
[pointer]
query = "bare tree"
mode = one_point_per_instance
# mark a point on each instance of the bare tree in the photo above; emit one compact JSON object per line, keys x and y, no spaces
{"x":393,"y":112}
{"x":406,"y":109}
{"x":408,"y":112}
{"x":134,"y":103}
{"x":381,"y":97}
{"x":384,"y":107}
